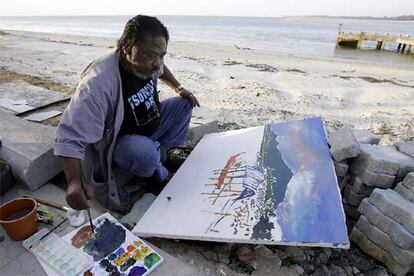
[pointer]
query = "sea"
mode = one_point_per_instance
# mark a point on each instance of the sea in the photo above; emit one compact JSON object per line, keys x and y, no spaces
{"x":293,"y":35}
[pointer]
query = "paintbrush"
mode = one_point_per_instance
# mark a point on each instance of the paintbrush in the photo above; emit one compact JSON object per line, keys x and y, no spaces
{"x":50,"y":231}
{"x":88,"y":210}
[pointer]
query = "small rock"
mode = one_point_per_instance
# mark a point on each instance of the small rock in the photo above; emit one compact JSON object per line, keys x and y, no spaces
{"x":295,"y":253}
{"x":298,"y":269}
{"x":355,"y":270}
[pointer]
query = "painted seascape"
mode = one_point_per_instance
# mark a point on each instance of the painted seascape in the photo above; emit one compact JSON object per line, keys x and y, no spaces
{"x":273,"y":184}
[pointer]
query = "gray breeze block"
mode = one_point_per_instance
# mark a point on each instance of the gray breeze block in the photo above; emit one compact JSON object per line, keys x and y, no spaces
{"x":406,"y":148}
{"x":393,"y":205}
{"x":343,"y":144}
{"x":378,"y":253}
{"x":405,"y":192}
{"x":28,"y":149}
{"x":396,"y":231}
{"x":365,"y":136}
{"x":405,"y":162}
{"x":370,"y":178}
{"x":375,"y":159}
{"x":405,"y":257}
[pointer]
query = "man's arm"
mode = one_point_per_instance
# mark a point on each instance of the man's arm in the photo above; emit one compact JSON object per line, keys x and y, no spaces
{"x":75,"y":195}
{"x":169,"y":79}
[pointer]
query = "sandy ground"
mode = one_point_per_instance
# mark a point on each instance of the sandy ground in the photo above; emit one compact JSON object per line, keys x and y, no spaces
{"x":243,"y":86}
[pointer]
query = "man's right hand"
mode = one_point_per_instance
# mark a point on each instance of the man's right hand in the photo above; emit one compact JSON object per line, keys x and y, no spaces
{"x":76,"y":197}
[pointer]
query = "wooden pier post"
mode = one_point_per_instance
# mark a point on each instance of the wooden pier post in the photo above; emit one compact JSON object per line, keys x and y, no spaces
{"x":399,"y":47}
{"x":403,"y":48}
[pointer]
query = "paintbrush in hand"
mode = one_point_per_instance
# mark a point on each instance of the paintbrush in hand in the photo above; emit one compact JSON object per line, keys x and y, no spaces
{"x":88,"y":210}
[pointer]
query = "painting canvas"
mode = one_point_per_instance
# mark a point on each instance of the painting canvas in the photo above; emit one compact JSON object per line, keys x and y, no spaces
{"x":114,"y":249}
{"x":272,"y":184}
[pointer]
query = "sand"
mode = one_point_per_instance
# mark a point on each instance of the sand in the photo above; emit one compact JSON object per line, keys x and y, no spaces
{"x":242,"y":86}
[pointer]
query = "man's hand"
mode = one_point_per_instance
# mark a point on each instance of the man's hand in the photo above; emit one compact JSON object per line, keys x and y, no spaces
{"x":76,"y":197}
{"x":187,"y":94}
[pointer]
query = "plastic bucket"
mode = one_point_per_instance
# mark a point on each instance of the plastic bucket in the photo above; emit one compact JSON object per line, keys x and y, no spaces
{"x":19,"y":218}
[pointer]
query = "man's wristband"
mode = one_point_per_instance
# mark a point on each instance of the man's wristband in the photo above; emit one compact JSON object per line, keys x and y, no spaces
{"x":179,"y":88}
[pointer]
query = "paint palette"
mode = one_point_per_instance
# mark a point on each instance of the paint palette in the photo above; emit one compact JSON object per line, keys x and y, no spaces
{"x":58,"y":254}
{"x":114,"y":249}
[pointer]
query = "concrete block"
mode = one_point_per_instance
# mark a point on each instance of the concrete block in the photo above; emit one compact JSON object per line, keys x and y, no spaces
{"x":405,"y":192}
{"x":341,"y":168}
{"x":27,"y":148}
{"x":405,"y":162}
{"x":372,"y":179}
{"x":397,"y":232}
{"x":342,"y":181}
{"x":343,"y":144}
{"x":359,"y":187}
{"x":375,"y":159}
{"x":381,"y":239}
{"x":138,"y":210}
{"x":406,"y":148}
{"x":355,"y":199}
{"x":393,"y":205}
{"x":409,"y":182}
{"x":365,"y":136}
{"x":378,"y":253}
{"x":347,"y":191}
{"x":198,"y":128}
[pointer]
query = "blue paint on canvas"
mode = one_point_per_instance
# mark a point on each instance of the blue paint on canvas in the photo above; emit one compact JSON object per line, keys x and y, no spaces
{"x":311,"y":210}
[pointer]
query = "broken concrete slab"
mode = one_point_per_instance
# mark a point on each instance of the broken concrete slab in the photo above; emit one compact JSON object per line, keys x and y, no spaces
{"x":377,"y":160}
{"x":393,"y":205}
{"x":372,"y":179}
{"x":365,"y":136}
{"x":359,"y":187}
{"x":405,"y":162}
{"x":355,"y":199}
{"x":396,"y":231}
{"x":406,"y":148}
{"x":408,"y":182}
{"x":378,"y":253}
{"x":381,"y":239}
{"x":41,"y":116}
{"x":203,"y":121}
{"x":341,"y":168}
{"x":27,"y":148}
{"x":35,"y":96}
{"x":405,"y":192}
{"x":138,"y":210}
{"x":343,"y":144}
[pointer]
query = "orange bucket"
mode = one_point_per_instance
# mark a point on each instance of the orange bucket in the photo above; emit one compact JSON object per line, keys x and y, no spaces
{"x":19,"y":218}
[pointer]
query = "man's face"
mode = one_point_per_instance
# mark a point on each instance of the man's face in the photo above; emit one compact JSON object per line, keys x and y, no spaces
{"x":147,"y":57}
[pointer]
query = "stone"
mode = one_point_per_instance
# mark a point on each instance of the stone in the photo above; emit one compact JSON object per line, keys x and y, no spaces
{"x":397,"y":232}
{"x":342,"y":181}
{"x":359,"y":187}
{"x":393,"y":205}
{"x":372,"y":179}
{"x":408,"y":182}
{"x":295,"y":253}
{"x":378,"y":253}
{"x":202,"y":122}
{"x":138,"y":210}
{"x":28,"y":149}
{"x":299,"y":270}
{"x":381,"y":239}
{"x":405,"y":162}
{"x":365,"y":136}
{"x":355,"y":199}
{"x":405,"y":192}
{"x":340,"y":168}
{"x":377,"y":160}
{"x":343,"y":144}
{"x":406,"y":148}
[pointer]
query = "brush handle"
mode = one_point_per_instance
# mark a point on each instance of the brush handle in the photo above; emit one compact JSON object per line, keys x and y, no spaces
{"x":48,"y":203}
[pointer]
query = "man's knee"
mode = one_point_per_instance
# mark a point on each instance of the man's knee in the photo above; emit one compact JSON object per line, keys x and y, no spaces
{"x":138,"y":154}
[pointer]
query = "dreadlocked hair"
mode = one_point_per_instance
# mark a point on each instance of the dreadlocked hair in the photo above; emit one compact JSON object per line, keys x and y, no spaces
{"x":138,"y":29}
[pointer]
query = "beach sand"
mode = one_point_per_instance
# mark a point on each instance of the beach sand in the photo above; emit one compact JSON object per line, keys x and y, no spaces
{"x":241,"y":86}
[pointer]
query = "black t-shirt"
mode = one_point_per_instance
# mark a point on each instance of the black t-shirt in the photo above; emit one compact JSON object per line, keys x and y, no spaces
{"x":141,"y":105}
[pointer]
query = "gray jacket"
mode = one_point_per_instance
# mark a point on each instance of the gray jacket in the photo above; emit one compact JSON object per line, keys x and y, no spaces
{"x":90,"y":125}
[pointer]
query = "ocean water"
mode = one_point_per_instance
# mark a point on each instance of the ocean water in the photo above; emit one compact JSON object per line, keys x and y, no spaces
{"x":309,"y":36}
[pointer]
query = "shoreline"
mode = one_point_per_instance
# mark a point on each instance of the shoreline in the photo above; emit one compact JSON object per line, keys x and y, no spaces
{"x":247,"y":87}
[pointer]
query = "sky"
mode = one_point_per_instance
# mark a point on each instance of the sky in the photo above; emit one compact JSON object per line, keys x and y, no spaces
{"x":207,"y":7}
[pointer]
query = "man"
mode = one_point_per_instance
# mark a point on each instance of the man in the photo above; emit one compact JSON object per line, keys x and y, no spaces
{"x":115,"y":118}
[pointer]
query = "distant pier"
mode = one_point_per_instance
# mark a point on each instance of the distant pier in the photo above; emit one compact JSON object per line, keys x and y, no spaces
{"x":405,"y":42}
